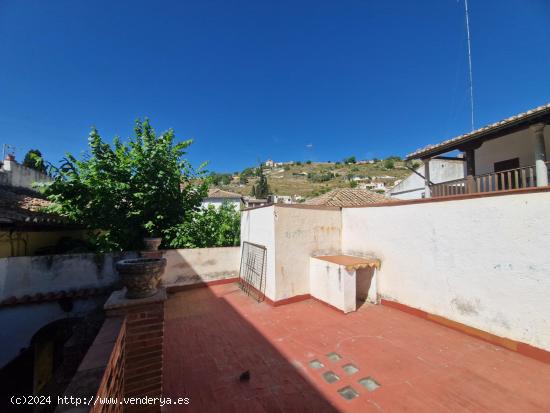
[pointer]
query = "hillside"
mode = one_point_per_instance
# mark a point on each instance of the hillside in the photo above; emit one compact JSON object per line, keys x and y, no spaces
{"x":311,"y":179}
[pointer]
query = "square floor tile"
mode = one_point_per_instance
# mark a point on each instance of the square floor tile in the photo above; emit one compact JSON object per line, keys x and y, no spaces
{"x":369,"y":383}
{"x":330,"y":377}
{"x":333,"y":356}
{"x":316,"y":364}
{"x":348,"y":393}
{"x":350,"y":368}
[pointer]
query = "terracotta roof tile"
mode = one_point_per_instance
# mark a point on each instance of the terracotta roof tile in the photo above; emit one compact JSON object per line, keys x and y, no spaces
{"x":345,"y":197}
{"x":23,"y":206}
{"x":220,"y":193}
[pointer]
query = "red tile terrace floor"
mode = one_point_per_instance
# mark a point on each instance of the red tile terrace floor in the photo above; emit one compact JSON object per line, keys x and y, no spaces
{"x":214,"y":334}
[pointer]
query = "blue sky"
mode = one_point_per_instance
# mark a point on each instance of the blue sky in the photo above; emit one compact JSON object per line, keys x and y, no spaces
{"x":250,"y":80}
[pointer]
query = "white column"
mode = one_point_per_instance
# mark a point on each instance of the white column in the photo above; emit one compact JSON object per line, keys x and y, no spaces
{"x":427,"y":192}
{"x":540,"y":154}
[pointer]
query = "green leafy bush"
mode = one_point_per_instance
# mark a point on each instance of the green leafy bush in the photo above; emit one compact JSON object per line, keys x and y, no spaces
{"x":128,"y":190}
{"x":207,"y":227}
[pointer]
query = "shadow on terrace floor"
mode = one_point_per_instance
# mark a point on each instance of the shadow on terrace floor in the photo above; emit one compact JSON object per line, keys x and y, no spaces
{"x":214,"y":334}
{"x":209,"y":343}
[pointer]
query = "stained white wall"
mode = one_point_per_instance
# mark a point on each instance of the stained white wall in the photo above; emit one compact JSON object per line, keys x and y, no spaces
{"x":14,"y":174}
{"x":332,"y":284}
{"x":258,"y":227}
{"x":483,"y":262}
{"x":299,"y":234}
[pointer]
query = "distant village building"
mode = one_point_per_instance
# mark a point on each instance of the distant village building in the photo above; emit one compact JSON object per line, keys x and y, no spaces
{"x":269,"y":163}
{"x":280,"y":199}
{"x":254,"y":202}
{"x":218,"y":197}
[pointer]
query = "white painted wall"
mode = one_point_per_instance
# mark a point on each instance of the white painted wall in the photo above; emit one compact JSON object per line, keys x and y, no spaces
{"x":483,"y":262}
{"x":299,"y":234}
{"x":188,"y":266}
{"x":15,"y":174}
{"x":441,"y":170}
{"x":258,"y":227}
{"x":332,"y":284}
{"x":49,"y":273}
{"x":516,"y":145}
{"x":218,"y":202}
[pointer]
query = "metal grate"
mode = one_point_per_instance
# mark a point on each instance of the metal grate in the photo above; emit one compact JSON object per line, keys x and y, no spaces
{"x":252,"y":272}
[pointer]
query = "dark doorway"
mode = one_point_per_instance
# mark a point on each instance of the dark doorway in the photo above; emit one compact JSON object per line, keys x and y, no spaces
{"x":363,"y":281}
{"x":506,"y":181}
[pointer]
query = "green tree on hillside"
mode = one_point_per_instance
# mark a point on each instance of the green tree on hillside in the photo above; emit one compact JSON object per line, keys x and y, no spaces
{"x":261,"y":189}
{"x":350,"y":159}
{"x":389,"y":164}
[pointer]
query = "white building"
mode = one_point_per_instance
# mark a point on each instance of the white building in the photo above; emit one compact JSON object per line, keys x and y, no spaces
{"x":508,"y":155}
{"x":13,"y":173}
{"x":218,"y":197}
{"x":441,"y":170}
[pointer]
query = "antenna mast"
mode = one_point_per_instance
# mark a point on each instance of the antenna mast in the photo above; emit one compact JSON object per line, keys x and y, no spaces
{"x":470,"y":62}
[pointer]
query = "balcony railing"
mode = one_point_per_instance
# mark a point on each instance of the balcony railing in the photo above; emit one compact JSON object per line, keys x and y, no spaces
{"x":524,"y":177}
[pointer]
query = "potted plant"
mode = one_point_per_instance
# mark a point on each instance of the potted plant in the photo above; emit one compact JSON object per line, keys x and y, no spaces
{"x":153,"y":241}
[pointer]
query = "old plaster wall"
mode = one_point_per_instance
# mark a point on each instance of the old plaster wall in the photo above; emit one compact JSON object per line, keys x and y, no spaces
{"x":188,"y":266}
{"x":258,"y":227}
{"x":299,"y":234}
{"x":483,"y":262}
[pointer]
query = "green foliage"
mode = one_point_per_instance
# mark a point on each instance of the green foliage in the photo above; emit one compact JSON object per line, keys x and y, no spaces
{"x":261,"y":189}
{"x":220,"y":179}
{"x":142,"y":187}
{"x":298,"y":163}
{"x":353,"y":184}
{"x":286,"y":167}
{"x":323,"y":176}
{"x":389,"y":164}
{"x":394,"y":158}
{"x":207,"y":227}
{"x":308,"y":162}
{"x":33,"y":159}
{"x":350,"y":159}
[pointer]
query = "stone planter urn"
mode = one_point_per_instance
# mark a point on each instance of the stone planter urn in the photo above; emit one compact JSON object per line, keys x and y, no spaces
{"x":152,"y":244}
{"x":141,"y":276}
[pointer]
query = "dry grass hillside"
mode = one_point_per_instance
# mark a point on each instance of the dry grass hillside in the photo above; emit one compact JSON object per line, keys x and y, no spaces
{"x":312,"y":179}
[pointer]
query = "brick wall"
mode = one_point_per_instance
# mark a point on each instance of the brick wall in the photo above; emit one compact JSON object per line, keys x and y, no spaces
{"x":101,"y":372}
{"x":143,"y":346}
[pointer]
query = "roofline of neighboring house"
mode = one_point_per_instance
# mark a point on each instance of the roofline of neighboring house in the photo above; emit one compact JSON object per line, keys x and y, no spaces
{"x":400,"y":202}
{"x":296,"y":206}
{"x":495,"y":130}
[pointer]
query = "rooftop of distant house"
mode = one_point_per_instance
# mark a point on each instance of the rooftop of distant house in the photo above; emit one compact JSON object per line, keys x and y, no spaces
{"x":220,"y":193}
{"x":23,"y":207}
{"x":516,"y":121}
{"x":346,"y":197}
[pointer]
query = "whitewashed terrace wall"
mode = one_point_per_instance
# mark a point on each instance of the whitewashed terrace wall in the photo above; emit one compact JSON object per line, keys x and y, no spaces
{"x":258,"y":227}
{"x":21,"y":276}
{"x":188,"y":266}
{"x":483,"y":262}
